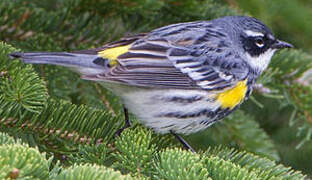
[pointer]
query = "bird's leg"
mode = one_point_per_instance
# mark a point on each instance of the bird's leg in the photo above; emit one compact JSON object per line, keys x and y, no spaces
{"x":127,"y":122}
{"x":182,"y":141}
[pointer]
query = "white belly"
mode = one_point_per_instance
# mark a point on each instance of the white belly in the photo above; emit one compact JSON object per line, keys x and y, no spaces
{"x":182,"y":111}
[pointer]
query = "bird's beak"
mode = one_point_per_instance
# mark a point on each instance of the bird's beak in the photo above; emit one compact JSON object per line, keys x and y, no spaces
{"x":278,"y":44}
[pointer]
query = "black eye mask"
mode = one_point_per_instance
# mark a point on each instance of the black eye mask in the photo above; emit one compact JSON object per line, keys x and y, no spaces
{"x":250,"y":44}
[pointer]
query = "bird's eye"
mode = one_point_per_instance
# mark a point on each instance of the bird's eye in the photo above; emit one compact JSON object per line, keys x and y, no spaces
{"x":259,"y":42}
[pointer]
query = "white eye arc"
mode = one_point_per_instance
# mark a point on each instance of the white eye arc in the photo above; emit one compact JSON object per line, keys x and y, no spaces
{"x":253,"y":33}
{"x":259,"y":42}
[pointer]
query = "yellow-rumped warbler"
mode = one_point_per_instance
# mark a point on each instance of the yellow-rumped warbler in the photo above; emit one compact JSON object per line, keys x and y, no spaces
{"x":180,"y":78}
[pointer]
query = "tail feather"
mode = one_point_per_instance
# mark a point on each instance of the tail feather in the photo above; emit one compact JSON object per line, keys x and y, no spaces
{"x":85,"y":64}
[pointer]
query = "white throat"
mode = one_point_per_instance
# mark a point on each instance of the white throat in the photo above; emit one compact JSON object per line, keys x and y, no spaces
{"x":262,"y":61}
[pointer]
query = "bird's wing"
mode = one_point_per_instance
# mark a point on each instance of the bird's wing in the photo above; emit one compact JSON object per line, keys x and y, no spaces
{"x":173,"y":57}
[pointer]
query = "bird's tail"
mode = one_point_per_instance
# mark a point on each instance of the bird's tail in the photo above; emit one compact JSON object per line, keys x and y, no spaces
{"x":85,"y":64}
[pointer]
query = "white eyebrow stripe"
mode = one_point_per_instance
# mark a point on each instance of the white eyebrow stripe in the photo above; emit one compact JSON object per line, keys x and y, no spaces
{"x":253,"y":33}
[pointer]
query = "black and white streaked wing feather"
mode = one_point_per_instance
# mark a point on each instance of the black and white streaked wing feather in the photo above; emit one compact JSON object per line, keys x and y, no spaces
{"x":186,"y":55}
{"x":210,"y":72}
{"x":145,"y":64}
{"x":149,"y":77}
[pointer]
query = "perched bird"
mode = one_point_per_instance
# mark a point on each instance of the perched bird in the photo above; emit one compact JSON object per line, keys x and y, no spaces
{"x":180,"y":78}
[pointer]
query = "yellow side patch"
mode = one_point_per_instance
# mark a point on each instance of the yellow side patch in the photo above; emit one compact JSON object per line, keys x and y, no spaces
{"x":232,"y":97}
{"x":113,"y":53}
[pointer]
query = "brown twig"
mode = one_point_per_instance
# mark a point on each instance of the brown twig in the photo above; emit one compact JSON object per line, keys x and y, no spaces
{"x":72,"y":136}
{"x":104,"y":100}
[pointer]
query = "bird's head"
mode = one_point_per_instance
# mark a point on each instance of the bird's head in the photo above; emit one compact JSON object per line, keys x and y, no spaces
{"x":254,"y":40}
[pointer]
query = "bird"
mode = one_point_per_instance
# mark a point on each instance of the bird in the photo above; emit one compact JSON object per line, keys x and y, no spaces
{"x":180,"y":78}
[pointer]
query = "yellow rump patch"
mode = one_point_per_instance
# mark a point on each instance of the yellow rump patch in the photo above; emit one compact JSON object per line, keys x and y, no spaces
{"x":232,"y":97}
{"x":112,"y":53}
